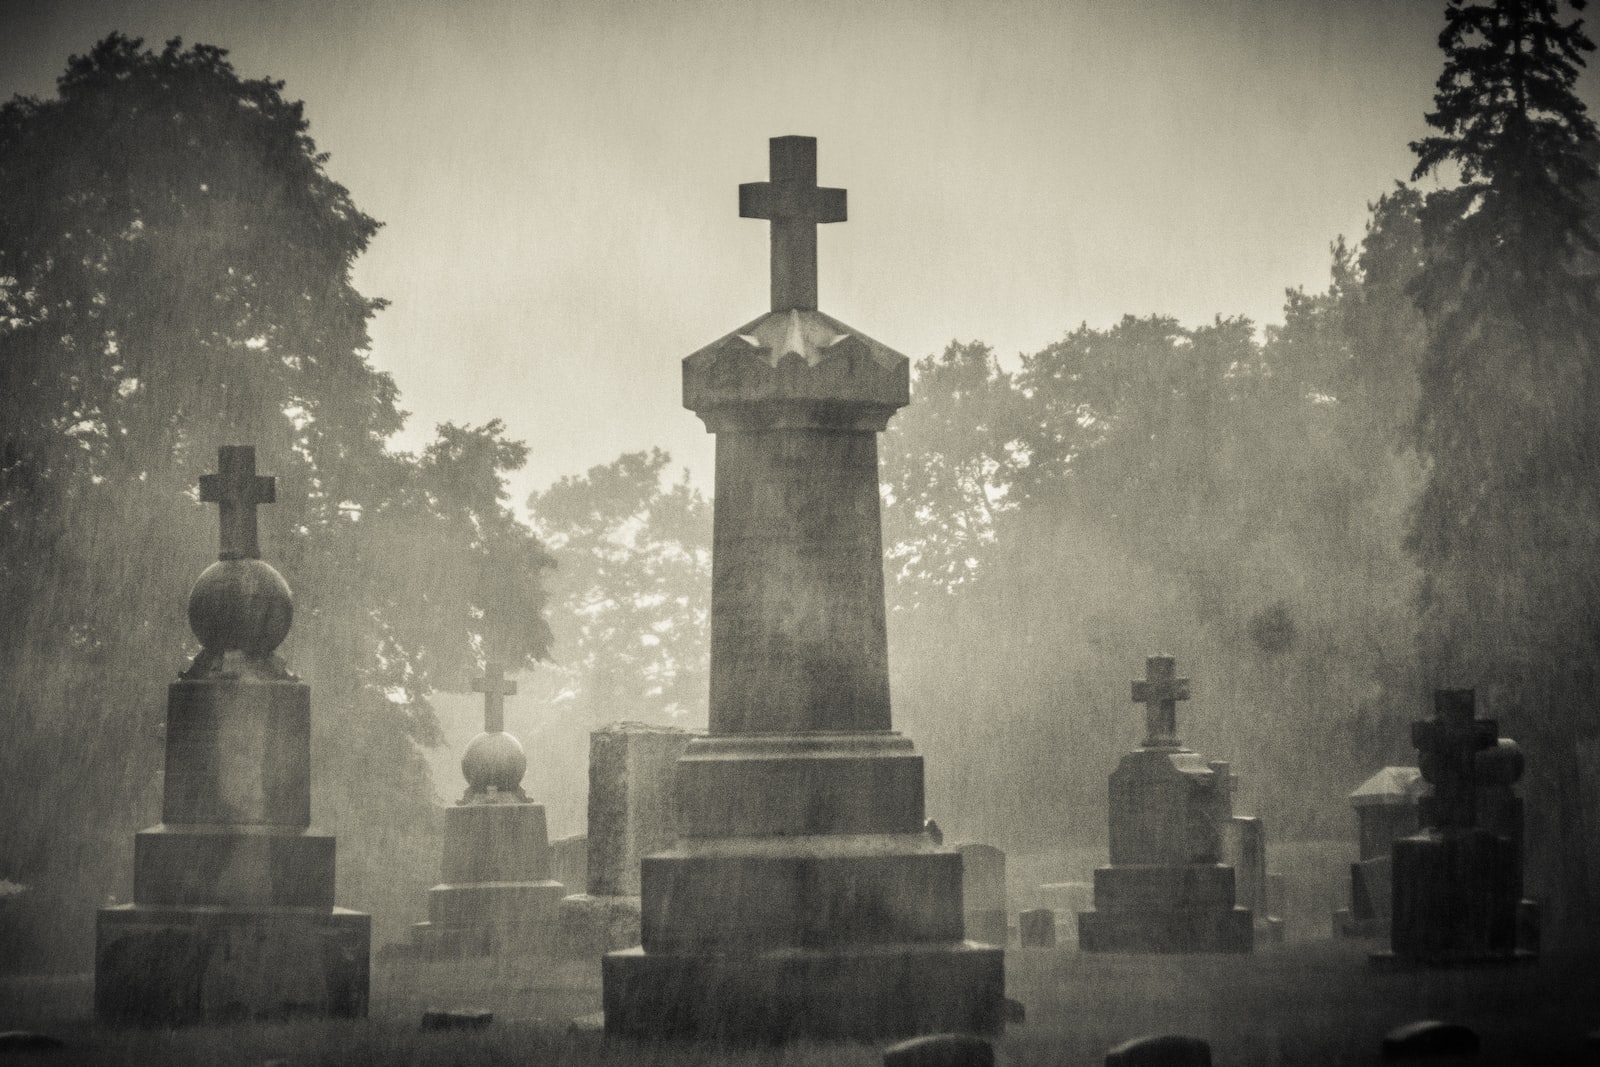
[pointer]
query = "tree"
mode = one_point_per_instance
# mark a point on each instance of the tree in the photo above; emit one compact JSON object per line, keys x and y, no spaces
{"x":631,"y":606}
{"x":1507,"y":527}
{"x":950,"y":460}
{"x":175,"y":275}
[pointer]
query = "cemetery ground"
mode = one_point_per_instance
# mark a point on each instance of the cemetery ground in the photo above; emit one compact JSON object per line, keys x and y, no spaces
{"x":1306,"y":1002}
{"x":1312,"y":1000}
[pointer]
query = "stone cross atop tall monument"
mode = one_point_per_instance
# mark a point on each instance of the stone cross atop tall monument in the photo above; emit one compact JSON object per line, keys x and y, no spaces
{"x":495,"y":687}
{"x":236,"y":489}
{"x":1159,"y":691}
{"x":795,"y":205}
{"x":1447,"y":748}
{"x":846,"y":919}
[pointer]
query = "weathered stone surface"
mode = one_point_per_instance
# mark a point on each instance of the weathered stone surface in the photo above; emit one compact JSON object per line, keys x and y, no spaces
{"x":858,"y":992}
{"x":232,"y":914}
{"x":853,"y":783}
{"x":632,"y":775}
{"x":238,"y":752}
{"x":594,"y":925}
{"x":1170,"y":815}
{"x":753,"y":894}
{"x":1457,"y":885}
{"x":1167,"y":1050}
{"x":496,"y":896}
{"x":1386,"y":810}
{"x":1427,"y":1039}
{"x":495,"y":843}
{"x":983,"y":893}
{"x":232,"y":866}
{"x":940,"y":1050}
{"x":1037,"y":928}
{"x":569,"y":860}
{"x":803,"y":843}
{"x":177,"y":966}
{"x":1166,"y":806}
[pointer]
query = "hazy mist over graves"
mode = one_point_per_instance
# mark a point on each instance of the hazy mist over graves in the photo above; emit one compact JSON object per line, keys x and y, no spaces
{"x":556,"y":187}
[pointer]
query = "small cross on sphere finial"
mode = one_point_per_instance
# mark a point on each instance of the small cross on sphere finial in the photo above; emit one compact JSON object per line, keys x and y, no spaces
{"x":236,"y":489}
{"x":795,"y":205}
{"x":495,"y":687}
{"x":1159,"y":692}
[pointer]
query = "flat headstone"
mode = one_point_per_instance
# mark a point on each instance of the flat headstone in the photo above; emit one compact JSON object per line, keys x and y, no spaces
{"x":940,"y":1050}
{"x":1429,"y":1037}
{"x":458,"y":1019}
{"x":1038,"y":928}
{"x":1165,"y":1050}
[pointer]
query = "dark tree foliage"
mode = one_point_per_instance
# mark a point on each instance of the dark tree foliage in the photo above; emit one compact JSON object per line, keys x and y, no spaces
{"x":1147,"y":488}
{"x":1507,"y":528}
{"x":175,"y":275}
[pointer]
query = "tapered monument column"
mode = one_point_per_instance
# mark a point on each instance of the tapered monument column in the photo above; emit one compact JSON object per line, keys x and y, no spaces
{"x":232,"y":915}
{"x":802,"y":898}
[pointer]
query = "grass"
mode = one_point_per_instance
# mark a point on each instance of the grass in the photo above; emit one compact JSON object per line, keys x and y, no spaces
{"x":1310,"y":1002}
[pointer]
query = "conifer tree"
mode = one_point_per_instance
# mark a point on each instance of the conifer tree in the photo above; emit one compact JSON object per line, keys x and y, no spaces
{"x":1507,"y":528}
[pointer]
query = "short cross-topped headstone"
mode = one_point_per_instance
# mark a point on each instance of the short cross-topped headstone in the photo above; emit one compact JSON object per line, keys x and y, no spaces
{"x":236,"y":489}
{"x":495,"y":687}
{"x":1447,"y":747}
{"x":495,"y":893}
{"x":1456,"y":887}
{"x":795,"y":205}
{"x":1159,"y":691}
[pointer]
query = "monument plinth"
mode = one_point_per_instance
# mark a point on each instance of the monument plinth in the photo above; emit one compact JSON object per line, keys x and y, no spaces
{"x":232,"y":915}
{"x":1166,"y":889}
{"x":802,"y":897}
{"x":495,"y":893}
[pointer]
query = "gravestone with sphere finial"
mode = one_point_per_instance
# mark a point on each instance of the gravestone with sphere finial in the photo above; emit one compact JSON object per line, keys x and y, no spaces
{"x":495,"y":895}
{"x":1168,"y":887}
{"x":232,"y":914}
{"x":803,"y":896}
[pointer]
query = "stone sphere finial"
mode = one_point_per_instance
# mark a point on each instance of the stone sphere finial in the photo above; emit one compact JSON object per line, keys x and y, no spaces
{"x":494,"y":760}
{"x":241,"y":604}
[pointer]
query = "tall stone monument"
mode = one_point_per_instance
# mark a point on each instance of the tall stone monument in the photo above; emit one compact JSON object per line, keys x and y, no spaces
{"x":1457,"y":887}
{"x":1166,"y":889}
{"x":495,"y":893}
{"x":803,"y":897}
{"x":232,"y":915}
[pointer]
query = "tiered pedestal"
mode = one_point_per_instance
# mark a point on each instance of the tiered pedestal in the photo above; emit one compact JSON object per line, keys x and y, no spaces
{"x":1165,"y":890}
{"x":233,"y":914}
{"x":821,"y":910}
{"x":1456,"y":900}
{"x":497,"y":895}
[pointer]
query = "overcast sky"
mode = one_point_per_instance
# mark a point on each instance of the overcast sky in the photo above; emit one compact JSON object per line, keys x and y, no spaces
{"x":558,"y":180}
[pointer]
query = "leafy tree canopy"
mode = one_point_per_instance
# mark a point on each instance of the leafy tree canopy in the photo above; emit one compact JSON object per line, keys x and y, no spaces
{"x":175,"y":275}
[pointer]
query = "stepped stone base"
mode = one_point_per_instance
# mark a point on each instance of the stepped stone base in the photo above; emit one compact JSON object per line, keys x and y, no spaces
{"x":861,"y":993}
{"x":591,"y":925}
{"x":1456,"y":897}
{"x":1166,"y":931}
{"x":158,"y":966}
{"x":1152,"y":908}
{"x":489,"y":918}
